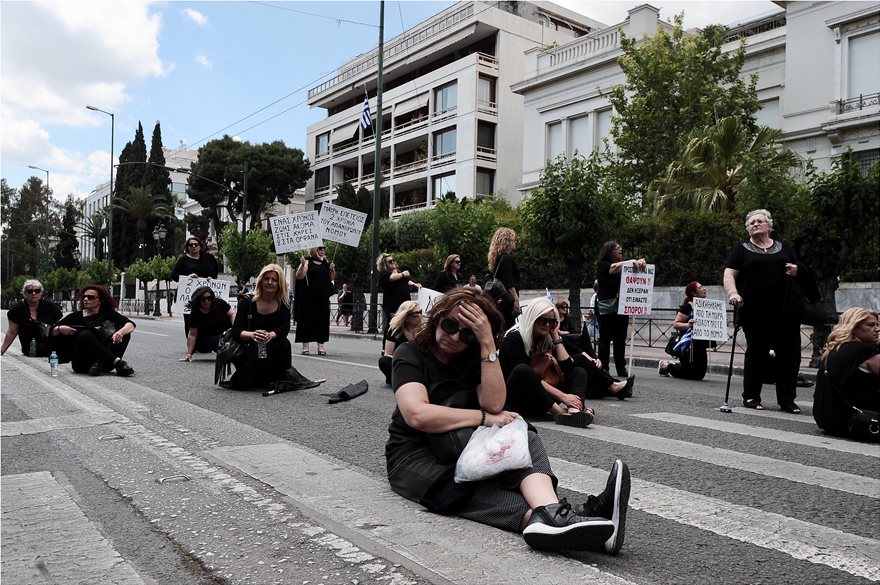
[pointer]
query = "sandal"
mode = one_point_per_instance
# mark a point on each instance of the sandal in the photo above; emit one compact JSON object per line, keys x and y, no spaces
{"x":581,"y":419}
{"x":322,"y":352}
{"x":305,"y":352}
{"x":792,"y":408}
{"x":753,"y":403}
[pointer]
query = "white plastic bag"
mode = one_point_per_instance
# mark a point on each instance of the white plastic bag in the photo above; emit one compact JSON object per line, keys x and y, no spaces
{"x":492,"y":450}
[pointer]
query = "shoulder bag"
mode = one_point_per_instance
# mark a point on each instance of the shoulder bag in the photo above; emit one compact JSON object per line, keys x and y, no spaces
{"x":863,"y":425}
{"x":229,"y":348}
{"x":674,"y":338}
{"x":546,"y":366}
{"x":499,"y":293}
{"x":449,"y":445}
{"x":607,"y":306}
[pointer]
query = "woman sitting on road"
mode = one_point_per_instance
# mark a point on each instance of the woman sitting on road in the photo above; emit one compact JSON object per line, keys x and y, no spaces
{"x":694,"y":352}
{"x":29,"y":318}
{"x":403,"y":327}
{"x":265,"y":319}
{"x":94,"y":338}
{"x":527,"y":392}
{"x":580,"y":347}
{"x":454,"y":353}
{"x":849,"y":378}
{"x":209,"y":317}
{"x":195,"y":262}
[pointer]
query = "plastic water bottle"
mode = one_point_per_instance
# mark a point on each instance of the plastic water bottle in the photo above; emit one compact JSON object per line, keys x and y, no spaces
{"x":32,"y":352}
{"x":53,"y":364}
{"x":261,"y":350}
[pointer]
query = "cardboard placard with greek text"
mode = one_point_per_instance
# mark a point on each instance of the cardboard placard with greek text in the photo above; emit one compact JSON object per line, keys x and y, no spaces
{"x":294,"y":232}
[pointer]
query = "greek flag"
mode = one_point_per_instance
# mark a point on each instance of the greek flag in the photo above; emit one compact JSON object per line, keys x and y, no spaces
{"x":366,"y":120}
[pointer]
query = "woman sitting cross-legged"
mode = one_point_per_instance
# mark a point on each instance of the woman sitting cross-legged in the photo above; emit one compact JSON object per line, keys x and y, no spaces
{"x":94,"y":338}
{"x":454,"y":355}
{"x":209,"y":317}
{"x":692,"y":352}
{"x":403,"y":327}
{"x":537,"y":338}
{"x":265,"y":319}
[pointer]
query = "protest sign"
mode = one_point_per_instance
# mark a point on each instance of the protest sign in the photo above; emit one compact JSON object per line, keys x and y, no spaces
{"x":186,"y":285}
{"x":636,"y":290}
{"x":340,"y":224}
{"x":427,"y":298}
{"x":297,"y":231}
{"x":710,"y":319}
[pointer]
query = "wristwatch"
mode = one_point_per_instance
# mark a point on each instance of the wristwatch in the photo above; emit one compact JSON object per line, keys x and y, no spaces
{"x":492,"y":357}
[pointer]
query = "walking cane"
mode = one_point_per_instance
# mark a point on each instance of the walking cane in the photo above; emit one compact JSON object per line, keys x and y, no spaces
{"x":726,"y":406}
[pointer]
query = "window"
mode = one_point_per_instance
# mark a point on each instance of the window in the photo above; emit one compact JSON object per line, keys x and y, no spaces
{"x":446,"y":98}
{"x":555,"y":147}
{"x":579,"y":136}
{"x":603,"y":128}
{"x":444,"y":143}
{"x":485,"y":182}
{"x":862,"y":65}
{"x":486,"y":91}
{"x":322,"y":178}
{"x":866,"y":158}
{"x":768,"y":115}
{"x":322,"y":144}
{"x":443,"y":186}
{"x":486,"y":135}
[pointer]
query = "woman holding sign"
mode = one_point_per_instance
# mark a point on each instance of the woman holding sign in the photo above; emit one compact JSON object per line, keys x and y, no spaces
{"x":693,"y":352}
{"x":612,"y":327}
{"x":314,"y":287}
{"x":196,"y":262}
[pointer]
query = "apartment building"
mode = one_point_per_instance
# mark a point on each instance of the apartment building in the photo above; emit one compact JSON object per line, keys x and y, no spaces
{"x":818,"y":82}
{"x":450,"y":123}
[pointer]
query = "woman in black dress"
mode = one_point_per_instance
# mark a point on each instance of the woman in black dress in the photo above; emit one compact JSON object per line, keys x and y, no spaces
{"x":451,"y":276}
{"x":94,"y":338}
{"x":612,"y":327}
{"x":209,"y":318}
{"x":197,"y":263}
{"x":403,"y":327}
{"x":29,"y":319}
{"x":502,"y":267}
{"x":694,"y":357}
{"x":313,"y":289}
{"x":395,"y":285}
{"x":263,"y":319}
{"x":761,"y":280}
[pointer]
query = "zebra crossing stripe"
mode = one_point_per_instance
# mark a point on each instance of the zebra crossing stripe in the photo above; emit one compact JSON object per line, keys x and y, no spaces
{"x":857,"y":555}
{"x":817,"y":441}
{"x":788,"y":470}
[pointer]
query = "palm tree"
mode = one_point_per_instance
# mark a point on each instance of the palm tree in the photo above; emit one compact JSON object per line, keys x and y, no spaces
{"x":95,"y":227}
{"x":142,"y":206}
{"x":715,"y":163}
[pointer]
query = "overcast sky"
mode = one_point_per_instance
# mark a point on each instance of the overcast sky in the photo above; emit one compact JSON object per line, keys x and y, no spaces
{"x":202,"y":69}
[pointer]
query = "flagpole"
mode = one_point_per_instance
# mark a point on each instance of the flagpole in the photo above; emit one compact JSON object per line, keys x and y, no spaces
{"x":377,"y":181}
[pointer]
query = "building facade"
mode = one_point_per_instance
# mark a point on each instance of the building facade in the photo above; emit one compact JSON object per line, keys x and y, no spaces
{"x":450,"y":123}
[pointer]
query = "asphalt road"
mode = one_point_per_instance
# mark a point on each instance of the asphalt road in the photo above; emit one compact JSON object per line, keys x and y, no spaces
{"x":183,"y":482}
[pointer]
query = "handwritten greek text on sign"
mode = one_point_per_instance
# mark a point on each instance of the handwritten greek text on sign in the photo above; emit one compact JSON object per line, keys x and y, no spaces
{"x":636,"y":290}
{"x":186,"y":285}
{"x":297,"y":231}
{"x":340,"y":224}
{"x":710,"y":319}
{"x":427,"y":298}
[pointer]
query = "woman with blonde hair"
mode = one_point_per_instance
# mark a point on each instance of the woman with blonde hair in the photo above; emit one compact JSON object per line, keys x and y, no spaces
{"x":502,"y":267}
{"x":527,"y":392}
{"x":849,"y":376}
{"x":403,"y":327}
{"x":450,"y":277}
{"x":313,"y":288}
{"x":395,"y":285}
{"x":262,"y":322}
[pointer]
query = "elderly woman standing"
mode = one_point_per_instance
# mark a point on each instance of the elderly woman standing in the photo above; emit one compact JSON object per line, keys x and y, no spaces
{"x":451,"y":276}
{"x":502,"y":267}
{"x":612,"y":326}
{"x":195,"y":262}
{"x":28,"y":319}
{"x":761,"y":281}
{"x":313,"y":289}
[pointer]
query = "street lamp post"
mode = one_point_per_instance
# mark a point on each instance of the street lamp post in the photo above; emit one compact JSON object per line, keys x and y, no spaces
{"x":47,"y":213}
{"x":158,"y":234}
{"x":109,"y":207}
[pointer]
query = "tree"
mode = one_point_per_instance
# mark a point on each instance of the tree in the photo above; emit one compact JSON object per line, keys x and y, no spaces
{"x":465,"y":228}
{"x":158,"y":178}
{"x":674,"y":83}
{"x":132,"y":172}
{"x":142,"y":270}
{"x":570,"y":215}
{"x":715,"y":163}
{"x":275,"y":173}
{"x":142,"y":207}
{"x":362,"y":201}
{"x":100,"y":272}
{"x":67,"y":240}
{"x":257,"y":250}
{"x":24,"y":227}
{"x":95,"y":228}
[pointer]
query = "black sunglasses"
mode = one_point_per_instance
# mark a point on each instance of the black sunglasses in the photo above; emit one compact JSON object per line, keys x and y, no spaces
{"x":545,"y":321}
{"x":89,"y":297}
{"x":456,"y":261}
{"x":207,"y":298}
{"x":450,"y":326}
{"x":319,"y":248}
{"x":194,"y":245}
{"x":33,"y":291}
{"x":389,"y":260}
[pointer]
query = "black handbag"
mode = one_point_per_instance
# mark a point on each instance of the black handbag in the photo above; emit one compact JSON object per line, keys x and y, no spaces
{"x":864,"y":425}
{"x":499,"y":293}
{"x":229,"y":348}
{"x":674,"y":338}
{"x":608,"y":306}
{"x":105,"y":331}
{"x":449,"y":445}
{"x":42,"y":330}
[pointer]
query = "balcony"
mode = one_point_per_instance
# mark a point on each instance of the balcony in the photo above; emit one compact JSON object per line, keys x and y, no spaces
{"x":442,"y":160}
{"x":488,"y":154}
{"x":856,"y":104}
{"x":410,"y":168}
{"x":485,"y":107}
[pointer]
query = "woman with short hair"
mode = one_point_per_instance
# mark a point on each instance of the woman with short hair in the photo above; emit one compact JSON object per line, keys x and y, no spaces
{"x":30,"y":319}
{"x":209,"y":318}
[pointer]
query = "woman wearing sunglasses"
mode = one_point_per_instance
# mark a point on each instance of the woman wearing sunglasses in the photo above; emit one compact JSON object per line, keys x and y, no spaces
{"x":450,"y":277}
{"x":209,"y":317}
{"x":395,"y":285}
{"x":311,"y":306}
{"x":195,"y":262}
{"x":454,"y":355}
{"x":94,"y":338}
{"x":403,"y":327}
{"x":529,"y":394}
{"x":29,"y":318}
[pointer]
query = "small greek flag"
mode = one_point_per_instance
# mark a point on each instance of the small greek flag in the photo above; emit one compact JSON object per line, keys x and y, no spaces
{"x":366,"y":119}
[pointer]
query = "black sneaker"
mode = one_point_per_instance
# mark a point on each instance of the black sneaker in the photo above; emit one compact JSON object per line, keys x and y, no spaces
{"x":96,"y":368}
{"x":556,"y":527}
{"x":611,"y":504}
{"x":123,"y":369}
{"x":627,"y":391}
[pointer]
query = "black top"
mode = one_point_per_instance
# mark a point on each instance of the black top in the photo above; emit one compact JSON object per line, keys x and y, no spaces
{"x":513,"y":353}
{"x":277,"y":321}
{"x":506,"y":271}
{"x":206,"y":266}
{"x":447,"y":281}
{"x":394,"y":292}
{"x":20,"y":314}
{"x":76,"y":319}
{"x":845,"y":381}
{"x":214,"y":322}
{"x":768,"y":293}
{"x":609,"y":284}
{"x":442,"y":381}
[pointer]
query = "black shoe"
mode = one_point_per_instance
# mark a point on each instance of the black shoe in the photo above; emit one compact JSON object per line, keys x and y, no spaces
{"x":611,"y":504}
{"x":96,"y":368}
{"x":581,"y":419}
{"x":123,"y":369}
{"x":790,"y":407}
{"x":622,"y":373}
{"x":228,"y":385}
{"x":804,"y":382}
{"x":557,"y":527}
{"x":627,"y":391}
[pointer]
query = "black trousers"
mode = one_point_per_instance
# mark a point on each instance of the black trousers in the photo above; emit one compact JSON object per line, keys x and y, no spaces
{"x":88,"y":349}
{"x":206,"y":343}
{"x":598,"y":380}
{"x":693,"y":364}
{"x":526,"y":394}
{"x":253,"y":372}
{"x":612,"y":328}
{"x":784,"y":338}
{"x":385,"y":366}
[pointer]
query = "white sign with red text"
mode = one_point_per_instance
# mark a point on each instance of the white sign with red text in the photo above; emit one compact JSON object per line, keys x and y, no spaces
{"x":636,"y":290}
{"x":186,"y":285}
